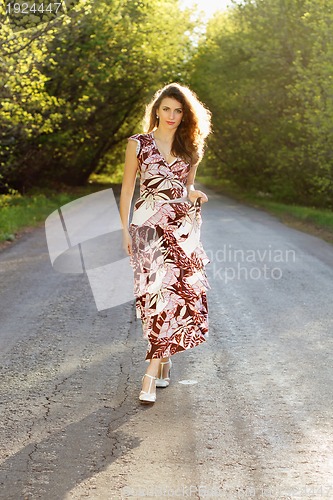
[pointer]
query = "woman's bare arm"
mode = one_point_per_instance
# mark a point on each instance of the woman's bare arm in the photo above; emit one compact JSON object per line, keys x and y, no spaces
{"x":128,"y":184}
{"x":193,"y":193}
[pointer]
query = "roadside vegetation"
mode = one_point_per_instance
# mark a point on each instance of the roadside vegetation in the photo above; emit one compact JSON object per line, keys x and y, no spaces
{"x":312,"y":220}
{"x":21,"y":213}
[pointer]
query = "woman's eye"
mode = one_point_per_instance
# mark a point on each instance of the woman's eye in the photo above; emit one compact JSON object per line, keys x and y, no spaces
{"x":177,"y":110}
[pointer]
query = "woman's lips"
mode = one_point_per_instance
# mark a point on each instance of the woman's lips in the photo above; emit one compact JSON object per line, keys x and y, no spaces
{"x":170,"y":123}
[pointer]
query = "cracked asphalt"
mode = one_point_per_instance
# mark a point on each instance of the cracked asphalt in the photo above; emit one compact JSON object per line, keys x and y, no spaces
{"x":256,"y":424}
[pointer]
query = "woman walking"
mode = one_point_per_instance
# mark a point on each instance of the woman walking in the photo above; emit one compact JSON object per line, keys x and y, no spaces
{"x":166,"y":254}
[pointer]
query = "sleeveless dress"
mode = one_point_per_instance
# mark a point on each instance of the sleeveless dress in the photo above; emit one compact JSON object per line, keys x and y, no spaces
{"x":168,"y":259}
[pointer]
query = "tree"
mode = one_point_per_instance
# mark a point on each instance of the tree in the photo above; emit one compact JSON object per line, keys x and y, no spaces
{"x":261,"y":68}
{"x":95,"y":74}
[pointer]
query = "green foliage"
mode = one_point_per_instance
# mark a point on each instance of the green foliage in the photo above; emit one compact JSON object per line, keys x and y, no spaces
{"x":19,"y":212}
{"x":74,"y":89}
{"x":265,"y":69}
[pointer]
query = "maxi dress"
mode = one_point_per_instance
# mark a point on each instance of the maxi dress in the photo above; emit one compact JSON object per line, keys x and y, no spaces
{"x":167,"y":258}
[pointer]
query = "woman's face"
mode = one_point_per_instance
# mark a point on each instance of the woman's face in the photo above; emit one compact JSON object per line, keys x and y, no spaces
{"x":170,"y":112}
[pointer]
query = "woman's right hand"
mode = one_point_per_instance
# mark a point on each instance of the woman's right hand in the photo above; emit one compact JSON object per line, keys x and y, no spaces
{"x":127,"y":242}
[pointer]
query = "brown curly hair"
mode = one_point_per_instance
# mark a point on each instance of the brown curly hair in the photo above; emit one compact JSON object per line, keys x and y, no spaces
{"x":189,"y":138}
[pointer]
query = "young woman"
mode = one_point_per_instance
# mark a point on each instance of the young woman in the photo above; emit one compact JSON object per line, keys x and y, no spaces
{"x":166,"y":254}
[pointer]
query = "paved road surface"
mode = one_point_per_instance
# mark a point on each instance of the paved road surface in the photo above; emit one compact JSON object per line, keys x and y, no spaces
{"x":258,"y":422}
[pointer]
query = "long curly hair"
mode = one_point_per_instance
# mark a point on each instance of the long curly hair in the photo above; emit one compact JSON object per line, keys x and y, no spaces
{"x":190,"y":135}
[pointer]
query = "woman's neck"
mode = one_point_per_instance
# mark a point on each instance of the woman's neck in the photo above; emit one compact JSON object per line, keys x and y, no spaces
{"x":164,"y":135}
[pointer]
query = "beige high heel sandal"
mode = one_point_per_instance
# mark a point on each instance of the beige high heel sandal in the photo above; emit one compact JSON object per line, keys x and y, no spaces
{"x":148,"y":397}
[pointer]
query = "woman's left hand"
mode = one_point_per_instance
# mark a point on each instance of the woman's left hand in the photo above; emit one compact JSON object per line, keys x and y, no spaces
{"x":195,"y":193}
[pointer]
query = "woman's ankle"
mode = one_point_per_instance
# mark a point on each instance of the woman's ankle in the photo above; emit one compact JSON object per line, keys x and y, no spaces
{"x":153,"y":367}
{"x":164,"y":368}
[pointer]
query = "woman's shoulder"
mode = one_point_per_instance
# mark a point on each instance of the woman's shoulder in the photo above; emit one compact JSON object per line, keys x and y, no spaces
{"x":142,"y":140}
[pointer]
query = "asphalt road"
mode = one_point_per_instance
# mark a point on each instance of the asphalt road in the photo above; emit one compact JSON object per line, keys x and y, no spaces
{"x":256,"y":419}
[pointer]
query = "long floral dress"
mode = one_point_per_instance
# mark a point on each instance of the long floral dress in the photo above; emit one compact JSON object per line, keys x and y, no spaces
{"x":168,"y":259}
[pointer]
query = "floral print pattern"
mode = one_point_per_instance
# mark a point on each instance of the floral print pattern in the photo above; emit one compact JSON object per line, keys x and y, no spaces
{"x":168,"y":259}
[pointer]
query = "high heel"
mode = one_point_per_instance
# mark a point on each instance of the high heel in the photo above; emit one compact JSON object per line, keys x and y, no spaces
{"x":148,"y":397}
{"x":164,"y":381}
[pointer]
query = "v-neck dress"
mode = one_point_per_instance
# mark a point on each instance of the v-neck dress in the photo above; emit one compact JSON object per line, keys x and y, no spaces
{"x":168,"y":258}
